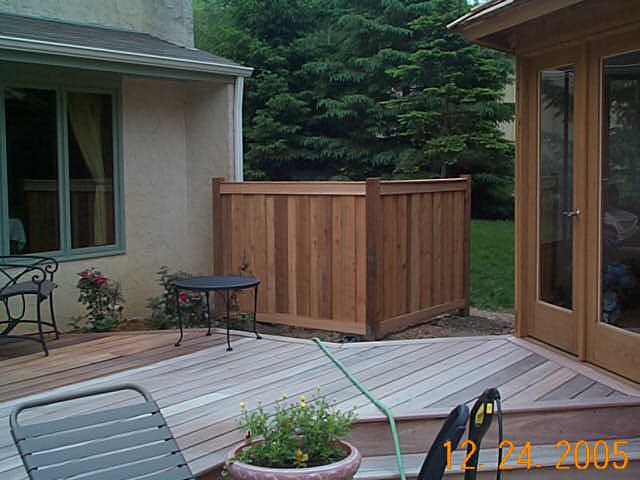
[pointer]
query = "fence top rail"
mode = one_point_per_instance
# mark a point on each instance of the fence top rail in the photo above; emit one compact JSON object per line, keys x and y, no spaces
{"x":293,"y":188}
{"x":404,"y":187}
{"x":387,"y":187}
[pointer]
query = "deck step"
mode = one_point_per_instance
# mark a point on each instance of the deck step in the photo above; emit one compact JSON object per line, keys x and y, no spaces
{"x":540,"y":425}
{"x":546,"y":456}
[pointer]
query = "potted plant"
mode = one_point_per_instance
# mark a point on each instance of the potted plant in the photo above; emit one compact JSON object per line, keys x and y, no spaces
{"x":299,"y":440}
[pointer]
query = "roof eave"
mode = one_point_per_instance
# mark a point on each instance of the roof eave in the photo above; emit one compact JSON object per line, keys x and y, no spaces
{"x":477,"y":12}
{"x":481,"y":25}
{"x":117,"y":56}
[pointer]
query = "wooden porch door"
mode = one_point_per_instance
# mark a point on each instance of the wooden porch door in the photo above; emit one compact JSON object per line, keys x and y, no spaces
{"x":613,"y":312}
{"x":551,"y":169}
{"x":578,"y":202}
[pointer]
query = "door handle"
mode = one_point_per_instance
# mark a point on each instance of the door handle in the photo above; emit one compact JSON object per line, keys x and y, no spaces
{"x":571,"y":213}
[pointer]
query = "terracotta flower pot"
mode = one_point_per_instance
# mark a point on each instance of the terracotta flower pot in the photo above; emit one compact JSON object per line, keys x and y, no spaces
{"x":343,"y":469}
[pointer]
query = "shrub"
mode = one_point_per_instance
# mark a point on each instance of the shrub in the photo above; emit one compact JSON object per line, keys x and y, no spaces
{"x":163,"y":307}
{"x":103,"y":300}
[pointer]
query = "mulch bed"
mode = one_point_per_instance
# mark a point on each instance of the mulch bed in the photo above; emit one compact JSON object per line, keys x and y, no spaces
{"x":478,"y":323}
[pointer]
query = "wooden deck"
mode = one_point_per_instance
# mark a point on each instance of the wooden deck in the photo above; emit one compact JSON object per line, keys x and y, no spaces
{"x":199,"y":386}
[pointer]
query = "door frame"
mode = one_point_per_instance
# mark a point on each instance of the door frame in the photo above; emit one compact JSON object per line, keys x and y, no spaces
{"x":608,"y":346}
{"x":557,"y":326}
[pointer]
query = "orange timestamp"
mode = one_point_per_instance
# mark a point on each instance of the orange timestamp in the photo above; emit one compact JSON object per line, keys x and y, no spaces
{"x":581,"y":455}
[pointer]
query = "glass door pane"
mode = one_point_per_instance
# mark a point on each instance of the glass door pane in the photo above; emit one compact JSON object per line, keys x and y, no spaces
{"x":32,"y":170}
{"x":555,"y":187}
{"x":620,"y":282}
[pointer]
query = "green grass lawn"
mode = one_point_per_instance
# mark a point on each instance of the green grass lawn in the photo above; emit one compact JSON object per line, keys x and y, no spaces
{"x":492,"y":249}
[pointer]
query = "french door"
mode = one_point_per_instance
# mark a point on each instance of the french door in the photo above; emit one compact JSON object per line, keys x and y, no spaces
{"x":554,"y":209}
{"x":613,"y":312}
{"x":579,"y":201}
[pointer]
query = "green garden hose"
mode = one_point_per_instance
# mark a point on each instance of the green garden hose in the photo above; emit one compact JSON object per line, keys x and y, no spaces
{"x":382,"y":407}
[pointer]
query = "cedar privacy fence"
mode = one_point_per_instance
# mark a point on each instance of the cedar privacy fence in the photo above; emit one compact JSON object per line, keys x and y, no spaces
{"x":367,"y":258}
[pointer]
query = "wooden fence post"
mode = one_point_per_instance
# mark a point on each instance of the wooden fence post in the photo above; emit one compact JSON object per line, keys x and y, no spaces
{"x":466,"y":264}
{"x":374,"y":217}
{"x":217,"y":225}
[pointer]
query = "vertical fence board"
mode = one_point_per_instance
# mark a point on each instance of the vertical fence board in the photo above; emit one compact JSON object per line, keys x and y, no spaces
{"x":447,"y":260}
{"x":388,"y":256}
{"x":238,"y":234}
{"x":437,"y":249}
{"x":374,"y":285}
{"x":292,"y":255}
{"x":217,"y":212}
{"x":320,"y":213}
{"x":466,"y":249}
{"x":227,"y":234}
{"x":303,"y":255}
{"x":337,"y":239}
{"x":401,"y":289}
{"x":270,"y":253}
{"x":325,"y":216}
{"x":353,"y":257}
{"x":348,"y":265}
{"x":361,"y":261}
{"x":415,"y":265}
{"x":458,"y":247}
{"x":281,"y":253}
{"x":261,"y":245}
{"x":426,"y":251}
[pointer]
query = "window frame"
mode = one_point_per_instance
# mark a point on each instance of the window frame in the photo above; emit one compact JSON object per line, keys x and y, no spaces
{"x":85,"y":82}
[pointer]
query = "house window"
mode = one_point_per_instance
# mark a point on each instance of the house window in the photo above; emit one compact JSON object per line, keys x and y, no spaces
{"x":59,"y":187}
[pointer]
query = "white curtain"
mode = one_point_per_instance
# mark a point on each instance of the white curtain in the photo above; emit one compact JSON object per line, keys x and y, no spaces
{"x":85,"y":117}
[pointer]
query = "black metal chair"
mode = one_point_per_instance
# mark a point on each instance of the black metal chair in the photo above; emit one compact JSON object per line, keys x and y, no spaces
{"x":131,"y":441}
{"x":24,"y":276}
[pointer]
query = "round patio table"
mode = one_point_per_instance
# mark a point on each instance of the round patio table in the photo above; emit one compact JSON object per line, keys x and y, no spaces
{"x":223,"y":284}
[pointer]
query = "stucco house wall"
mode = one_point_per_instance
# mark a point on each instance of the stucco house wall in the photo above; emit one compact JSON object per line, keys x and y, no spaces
{"x":176,"y":136}
{"x":170,"y":20}
{"x":179,"y":114}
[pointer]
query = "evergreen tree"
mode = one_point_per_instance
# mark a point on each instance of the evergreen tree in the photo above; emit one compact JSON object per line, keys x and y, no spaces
{"x":355,"y":88}
{"x":449,"y":109}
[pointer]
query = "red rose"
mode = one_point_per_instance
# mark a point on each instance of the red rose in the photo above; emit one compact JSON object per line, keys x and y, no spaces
{"x":100,"y":280}
{"x":183,"y":296}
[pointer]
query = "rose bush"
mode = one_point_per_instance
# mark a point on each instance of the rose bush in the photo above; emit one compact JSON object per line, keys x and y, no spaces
{"x":103,"y":300}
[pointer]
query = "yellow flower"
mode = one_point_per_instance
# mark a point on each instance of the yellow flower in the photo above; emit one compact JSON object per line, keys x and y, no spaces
{"x":303,"y":404}
{"x":243,"y":404}
{"x":301,"y":458}
{"x":302,"y":398}
{"x":284,"y":396}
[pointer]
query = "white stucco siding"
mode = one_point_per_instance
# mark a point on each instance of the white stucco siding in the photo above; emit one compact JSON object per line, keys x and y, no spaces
{"x":209,"y":154}
{"x":176,"y":136}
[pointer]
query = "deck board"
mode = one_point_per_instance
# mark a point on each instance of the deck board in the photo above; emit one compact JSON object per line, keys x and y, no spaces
{"x":571,"y":389}
{"x":199,"y":385}
{"x":496,"y":379}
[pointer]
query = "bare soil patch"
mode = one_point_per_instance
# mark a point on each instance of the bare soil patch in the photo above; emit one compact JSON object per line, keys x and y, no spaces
{"x":478,"y":323}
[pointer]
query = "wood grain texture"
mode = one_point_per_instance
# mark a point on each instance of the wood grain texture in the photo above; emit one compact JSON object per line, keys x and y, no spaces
{"x":199,"y":386}
{"x":551,"y":39}
{"x":348,"y":257}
